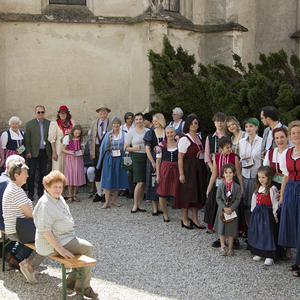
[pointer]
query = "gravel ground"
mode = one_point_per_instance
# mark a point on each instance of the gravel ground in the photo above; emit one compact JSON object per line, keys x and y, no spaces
{"x":141,"y":257}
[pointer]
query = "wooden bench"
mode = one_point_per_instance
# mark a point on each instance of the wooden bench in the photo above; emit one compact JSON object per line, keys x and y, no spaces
{"x":78,"y":262}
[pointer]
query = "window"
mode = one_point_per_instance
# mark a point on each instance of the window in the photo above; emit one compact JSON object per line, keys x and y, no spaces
{"x":66,"y":2}
{"x":172,"y":5}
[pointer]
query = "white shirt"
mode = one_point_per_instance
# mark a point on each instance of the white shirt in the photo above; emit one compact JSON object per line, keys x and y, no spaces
{"x":125,"y":128}
{"x":253,"y":151}
{"x":283,"y":166}
{"x":14,"y":136}
{"x":273,"y":193}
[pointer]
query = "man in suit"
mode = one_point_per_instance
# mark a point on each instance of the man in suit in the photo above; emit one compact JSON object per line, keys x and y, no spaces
{"x":38,"y":149}
{"x":98,"y":130}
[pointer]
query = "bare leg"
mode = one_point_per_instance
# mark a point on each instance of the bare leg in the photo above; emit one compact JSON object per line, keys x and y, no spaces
{"x":222,"y":240}
{"x":107,"y":199}
{"x":164,"y":207}
{"x":195,"y":216}
{"x":139,"y":192}
{"x":185,"y":213}
{"x":92,"y":186}
{"x":114,"y":197}
{"x":155,"y":206}
{"x":230,"y":242}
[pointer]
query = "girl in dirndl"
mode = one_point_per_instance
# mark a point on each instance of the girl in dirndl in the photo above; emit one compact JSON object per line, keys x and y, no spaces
{"x":263,"y":225}
{"x":74,"y":166}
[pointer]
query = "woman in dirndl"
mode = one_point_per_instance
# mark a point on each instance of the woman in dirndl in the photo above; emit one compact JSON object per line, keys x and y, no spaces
{"x":152,"y":138}
{"x":167,"y":170}
{"x":12,"y":140}
{"x":113,"y":178}
{"x":289,"y":227}
{"x":192,"y":172}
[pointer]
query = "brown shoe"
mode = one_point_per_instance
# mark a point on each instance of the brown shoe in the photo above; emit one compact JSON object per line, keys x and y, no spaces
{"x":88,"y":292}
{"x":9,"y":256}
{"x":14,"y":263}
{"x":70,"y":285}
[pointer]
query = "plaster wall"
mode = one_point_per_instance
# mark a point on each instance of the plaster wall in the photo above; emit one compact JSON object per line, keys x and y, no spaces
{"x":119,"y":8}
{"x":218,"y":47}
{"x":270,"y":23}
{"x":78,"y":65}
{"x":210,"y":12}
{"x":22,"y":6}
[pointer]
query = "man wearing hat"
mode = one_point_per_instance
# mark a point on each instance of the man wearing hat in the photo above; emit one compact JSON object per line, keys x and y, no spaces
{"x":38,"y":149}
{"x":98,"y":130}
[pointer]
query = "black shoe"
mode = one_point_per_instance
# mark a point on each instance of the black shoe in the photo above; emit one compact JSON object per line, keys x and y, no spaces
{"x":155,"y":214}
{"x":160,"y":212}
{"x":199,"y":227}
{"x":98,"y":198}
{"x":133,"y":211}
{"x":129,"y":196}
{"x":124,"y":193}
{"x":92,"y":194}
{"x":166,"y":220}
{"x":236,"y":244}
{"x":187,"y":227}
{"x":141,"y":209}
{"x":216,"y":244}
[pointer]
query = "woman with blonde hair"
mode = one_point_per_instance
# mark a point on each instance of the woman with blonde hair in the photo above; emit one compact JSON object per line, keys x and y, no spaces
{"x":152,"y":138}
{"x":232,"y":129}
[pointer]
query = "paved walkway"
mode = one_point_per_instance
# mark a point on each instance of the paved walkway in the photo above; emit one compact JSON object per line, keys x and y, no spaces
{"x":141,"y":257}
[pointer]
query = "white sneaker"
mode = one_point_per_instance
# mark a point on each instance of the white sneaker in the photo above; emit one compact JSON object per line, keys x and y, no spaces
{"x":29,"y":276}
{"x":257,"y":258}
{"x":269,"y":262}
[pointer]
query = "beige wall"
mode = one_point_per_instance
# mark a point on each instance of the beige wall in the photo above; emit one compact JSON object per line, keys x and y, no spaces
{"x":270,"y":24}
{"x":22,"y":6}
{"x":78,"y":65}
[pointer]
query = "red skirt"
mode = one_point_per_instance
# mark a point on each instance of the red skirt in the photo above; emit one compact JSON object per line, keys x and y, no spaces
{"x":169,"y":179}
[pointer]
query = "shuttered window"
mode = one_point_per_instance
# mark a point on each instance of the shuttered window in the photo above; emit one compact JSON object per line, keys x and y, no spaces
{"x":66,"y":2}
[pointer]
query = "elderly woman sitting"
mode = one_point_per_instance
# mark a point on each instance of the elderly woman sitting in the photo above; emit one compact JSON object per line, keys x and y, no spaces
{"x":15,"y":203}
{"x":55,"y":234}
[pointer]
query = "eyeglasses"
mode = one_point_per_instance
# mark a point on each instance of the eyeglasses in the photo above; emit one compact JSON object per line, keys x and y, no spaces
{"x":40,"y":112}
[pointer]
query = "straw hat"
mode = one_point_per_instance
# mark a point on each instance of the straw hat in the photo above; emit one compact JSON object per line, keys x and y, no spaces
{"x":103,"y":106}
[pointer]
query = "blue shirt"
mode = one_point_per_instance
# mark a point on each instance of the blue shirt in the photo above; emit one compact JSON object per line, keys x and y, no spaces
{"x":4,"y":181}
{"x":42,"y":141}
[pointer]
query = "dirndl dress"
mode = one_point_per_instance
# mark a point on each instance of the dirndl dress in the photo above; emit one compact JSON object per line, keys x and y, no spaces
{"x":74,"y":167}
{"x":193,"y":191}
{"x":169,"y":174}
{"x":263,"y":230}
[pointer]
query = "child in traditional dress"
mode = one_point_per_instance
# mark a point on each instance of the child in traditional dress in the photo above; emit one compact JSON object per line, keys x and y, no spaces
{"x":228,"y":199}
{"x":225,"y":157}
{"x":263,"y":225}
{"x":74,"y":166}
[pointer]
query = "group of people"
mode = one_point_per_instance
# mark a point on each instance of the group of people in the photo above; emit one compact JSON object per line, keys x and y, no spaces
{"x":246,"y":183}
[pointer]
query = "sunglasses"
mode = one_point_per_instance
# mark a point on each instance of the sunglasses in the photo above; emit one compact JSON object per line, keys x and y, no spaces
{"x":40,"y":112}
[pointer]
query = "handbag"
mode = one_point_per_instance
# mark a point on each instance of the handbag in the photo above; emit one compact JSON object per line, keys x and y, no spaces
{"x":126,"y":162}
{"x":25,"y":230}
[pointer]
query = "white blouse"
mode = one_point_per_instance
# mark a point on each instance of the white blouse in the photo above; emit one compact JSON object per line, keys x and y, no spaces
{"x":283,"y":166}
{"x":276,"y":158}
{"x":252,"y":150}
{"x":14,"y":136}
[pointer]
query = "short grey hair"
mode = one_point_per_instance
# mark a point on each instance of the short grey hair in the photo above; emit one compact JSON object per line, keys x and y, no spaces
{"x":170,"y":127}
{"x":16,"y":168}
{"x":116,"y":120}
{"x":12,"y":160}
{"x":14,"y":119}
{"x":178,"y":111}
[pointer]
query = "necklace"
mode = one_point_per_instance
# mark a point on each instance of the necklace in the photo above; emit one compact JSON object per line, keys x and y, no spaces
{"x":139,"y":130}
{"x":296,"y":151}
{"x":171,"y":144}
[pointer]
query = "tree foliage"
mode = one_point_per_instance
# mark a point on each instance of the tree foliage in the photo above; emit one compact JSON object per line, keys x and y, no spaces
{"x":239,"y":91}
